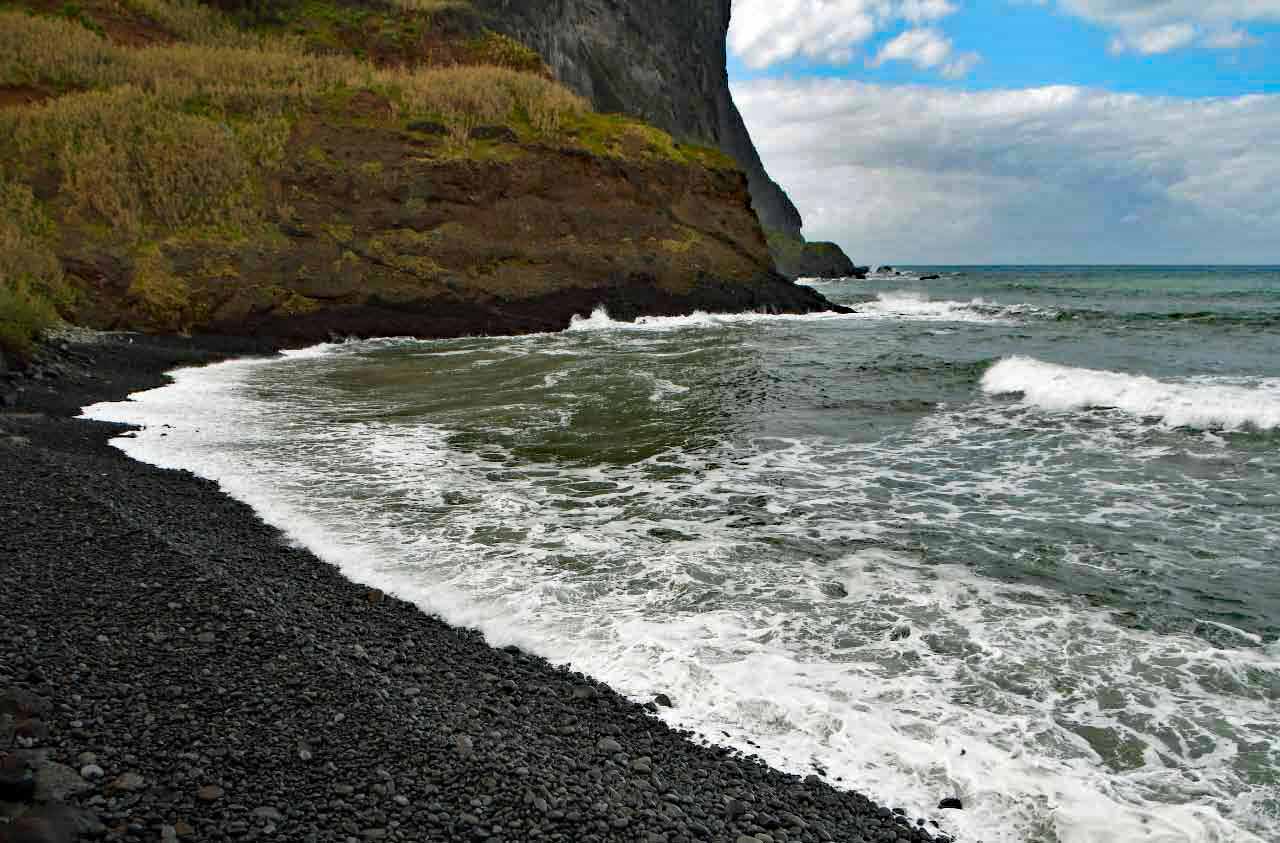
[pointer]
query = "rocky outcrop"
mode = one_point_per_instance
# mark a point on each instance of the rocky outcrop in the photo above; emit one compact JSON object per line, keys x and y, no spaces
{"x":800,"y":259}
{"x":663,"y":61}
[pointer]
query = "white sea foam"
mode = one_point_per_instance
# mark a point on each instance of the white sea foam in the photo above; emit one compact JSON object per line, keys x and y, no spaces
{"x":1203,"y":403}
{"x":992,"y":696}
{"x":899,"y":306}
{"x":600,"y":320}
{"x":915,"y":306}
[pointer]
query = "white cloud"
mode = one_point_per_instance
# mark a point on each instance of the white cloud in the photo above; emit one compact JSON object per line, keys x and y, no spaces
{"x":1057,"y":174}
{"x":1159,"y":26}
{"x":765,"y":32}
{"x":926,"y":49}
{"x":1229,"y":39}
{"x":1162,"y":39}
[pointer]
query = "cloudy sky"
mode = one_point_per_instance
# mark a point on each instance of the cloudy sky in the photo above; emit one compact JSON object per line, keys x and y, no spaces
{"x":1020,"y":131}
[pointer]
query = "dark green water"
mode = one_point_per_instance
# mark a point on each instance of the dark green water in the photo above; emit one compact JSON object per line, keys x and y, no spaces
{"x":1010,"y":533}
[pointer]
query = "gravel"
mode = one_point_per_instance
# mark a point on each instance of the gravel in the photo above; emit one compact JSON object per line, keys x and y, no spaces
{"x":181,"y":673}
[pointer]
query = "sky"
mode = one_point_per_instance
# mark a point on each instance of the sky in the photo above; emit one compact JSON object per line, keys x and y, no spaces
{"x":1020,"y":131}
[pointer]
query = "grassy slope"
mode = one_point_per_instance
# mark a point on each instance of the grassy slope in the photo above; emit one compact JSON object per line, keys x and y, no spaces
{"x":145,"y":128}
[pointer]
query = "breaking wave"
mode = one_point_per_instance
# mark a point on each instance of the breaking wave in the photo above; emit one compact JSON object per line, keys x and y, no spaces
{"x":1200,"y":403}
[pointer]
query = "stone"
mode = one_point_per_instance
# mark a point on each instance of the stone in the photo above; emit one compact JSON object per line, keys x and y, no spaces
{"x":129,"y":782}
{"x":428,"y":127}
{"x":23,"y":704}
{"x":92,"y":771}
{"x":465,"y":745}
{"x":56,"y":782}
{"x":17,"y":784}
{"x":952,"y":803}
{"x":210,"y":793}
{"x":268,"y":813}
{"x":55,"y":823}
{"x":500,"y":134}
{"x":609,"y":746}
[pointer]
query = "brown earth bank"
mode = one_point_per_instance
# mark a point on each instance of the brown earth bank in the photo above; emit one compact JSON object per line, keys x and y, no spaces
{"x":172,"y":669}
{"x":376,"y":230}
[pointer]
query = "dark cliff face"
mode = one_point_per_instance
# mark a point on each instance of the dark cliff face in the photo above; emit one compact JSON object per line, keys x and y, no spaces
{"x":662,"y":61}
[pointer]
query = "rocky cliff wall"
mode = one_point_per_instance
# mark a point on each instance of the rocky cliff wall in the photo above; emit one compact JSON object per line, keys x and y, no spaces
{"x":663,"y":61}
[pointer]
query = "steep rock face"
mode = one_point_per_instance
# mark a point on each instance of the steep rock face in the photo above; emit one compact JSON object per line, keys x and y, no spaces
{"x":663,"y":61}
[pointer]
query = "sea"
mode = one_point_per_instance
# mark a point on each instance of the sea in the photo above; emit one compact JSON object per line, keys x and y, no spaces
{"x":1006,"y":534}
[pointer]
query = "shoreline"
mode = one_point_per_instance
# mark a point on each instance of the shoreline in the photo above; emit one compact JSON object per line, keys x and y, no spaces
{"x":230,"y":686}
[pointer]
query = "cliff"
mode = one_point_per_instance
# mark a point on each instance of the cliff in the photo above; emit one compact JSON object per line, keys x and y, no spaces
{"x":664,"y":62}
{"x":299,"y":170}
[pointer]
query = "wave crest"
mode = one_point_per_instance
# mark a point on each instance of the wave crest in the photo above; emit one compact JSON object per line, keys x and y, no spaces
{"x":1205,"y":403}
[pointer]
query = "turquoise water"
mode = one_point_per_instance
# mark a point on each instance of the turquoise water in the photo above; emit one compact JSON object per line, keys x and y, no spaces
{"x":1010,"y":533}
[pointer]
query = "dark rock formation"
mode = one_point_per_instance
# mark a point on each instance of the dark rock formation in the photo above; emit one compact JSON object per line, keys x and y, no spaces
{"x":798,"y":259}
{"x":665,"y":62}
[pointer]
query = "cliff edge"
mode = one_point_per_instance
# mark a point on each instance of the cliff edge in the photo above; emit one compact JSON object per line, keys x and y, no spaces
{"x":300,"y":170}
{"x":665,"y":62}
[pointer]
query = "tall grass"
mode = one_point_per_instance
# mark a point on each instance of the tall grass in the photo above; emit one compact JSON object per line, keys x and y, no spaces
{"x":174,"y":136}
{"x":433,"y":6}
{"x":31,"y":282}
{"x":189,"y":20}
{"x":269,"y":76}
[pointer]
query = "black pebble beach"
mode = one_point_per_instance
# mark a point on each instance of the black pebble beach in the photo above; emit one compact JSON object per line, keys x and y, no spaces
{"x":170,"y":669}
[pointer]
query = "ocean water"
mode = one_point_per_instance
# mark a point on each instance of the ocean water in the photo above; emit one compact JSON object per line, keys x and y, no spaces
{"x":1010,"y":534}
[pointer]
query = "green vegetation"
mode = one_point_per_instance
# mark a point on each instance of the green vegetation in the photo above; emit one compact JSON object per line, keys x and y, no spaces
{"x":31,"y":283}
{"x":159,"y":132}
{"x":619,"y":136}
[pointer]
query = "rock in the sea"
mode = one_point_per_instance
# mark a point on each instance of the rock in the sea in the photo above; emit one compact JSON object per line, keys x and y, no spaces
{"x":900,"y":632}
{"x":663,"y":700}
{"x":834,"y":589}
{"x":952,"y":802}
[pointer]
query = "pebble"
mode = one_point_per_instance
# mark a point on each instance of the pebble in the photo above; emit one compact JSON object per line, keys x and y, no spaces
{"x":129,"y":782}
{"x":210,"y":793}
